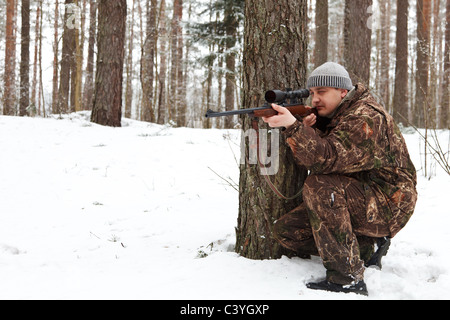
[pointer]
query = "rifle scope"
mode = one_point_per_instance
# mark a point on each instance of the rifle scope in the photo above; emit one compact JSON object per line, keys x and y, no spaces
{"x":277,"y":96}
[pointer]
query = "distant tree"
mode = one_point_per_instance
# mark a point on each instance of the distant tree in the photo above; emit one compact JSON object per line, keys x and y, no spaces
{"x":107,"y":102}
{"x":221,"y":36}
{"x":445,"y":108}
{"x":176,"y":101}
{"x":24,"y":102}
{"x":321,"y":42}
{"x":68,"y":62}
{"x":148,"y":62}
{"x":55,"y":103}
{"x":400,"y":104}
{"x":162,"y":105}
{"x":357,"y":39}
{"x":422,"y":104}
{"x":9,"y":97}
{"x":88,"y":91}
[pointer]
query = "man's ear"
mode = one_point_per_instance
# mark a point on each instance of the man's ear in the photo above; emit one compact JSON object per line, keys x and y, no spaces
{"x":344,"y":92}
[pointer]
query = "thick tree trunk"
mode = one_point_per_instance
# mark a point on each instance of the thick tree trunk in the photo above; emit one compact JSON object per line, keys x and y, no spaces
{"x":275,"y":53}
{"x":107,"y":103}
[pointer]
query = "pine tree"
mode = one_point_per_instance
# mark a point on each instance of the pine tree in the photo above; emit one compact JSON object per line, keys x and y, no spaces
{"x":400,"y":103}
{"x":9,"y":98}
{"x":445,"y":108}
{"x":264,"y":44}
{"x":357,"y":40}
{"x":107,"y":102}
{"x":423,"y":63}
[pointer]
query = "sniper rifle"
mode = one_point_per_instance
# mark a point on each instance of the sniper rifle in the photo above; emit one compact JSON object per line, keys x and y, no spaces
{"x":291,"y":100}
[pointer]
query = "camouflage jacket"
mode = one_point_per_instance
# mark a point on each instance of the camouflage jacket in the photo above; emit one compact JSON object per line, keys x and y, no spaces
{"x":362,"y":141}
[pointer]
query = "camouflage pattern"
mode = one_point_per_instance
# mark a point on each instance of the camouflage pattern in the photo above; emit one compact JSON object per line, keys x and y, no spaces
{"x":362,"y":186}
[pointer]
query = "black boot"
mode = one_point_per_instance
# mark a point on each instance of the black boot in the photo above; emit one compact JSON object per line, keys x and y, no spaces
{"x":359,"y":288}
{"x":383,"y":247}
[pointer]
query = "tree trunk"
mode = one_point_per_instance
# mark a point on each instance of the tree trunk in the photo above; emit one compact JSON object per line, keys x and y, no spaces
{"x":129,"y":66}
{"x":107,"y":103}
{"x":422,"y":105}
{"x":357,"y":39}
{"x":67,"y":59}
{"x":88,"y":92}
{"x":400,"y":104}
{"x":55,"y":61}
{"x":162,"y":65}
{"x":181,"y":84}
{"x":174,"y":95}
{"x":232,"y":25}
{"x":321,"y":46}
{"x":25,"y":60}
{"x":275,"y":57}
{"x":35,"y":60}
{"x":148,"y":63}
{"x":10,"y":57}
{"x":445,"y":108}
{"x":385,"y":52}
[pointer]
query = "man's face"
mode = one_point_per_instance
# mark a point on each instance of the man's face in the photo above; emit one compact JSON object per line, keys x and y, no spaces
{"x":326,"y":100}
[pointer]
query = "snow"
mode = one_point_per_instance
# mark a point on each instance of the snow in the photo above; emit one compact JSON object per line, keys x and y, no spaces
{"x":92,"y":212}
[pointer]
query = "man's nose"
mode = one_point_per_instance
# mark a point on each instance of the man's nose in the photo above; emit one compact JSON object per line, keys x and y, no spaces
{"x":315,"y":100}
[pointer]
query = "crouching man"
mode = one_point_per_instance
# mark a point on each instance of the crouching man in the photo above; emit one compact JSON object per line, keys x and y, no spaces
{"x":361,"y":190}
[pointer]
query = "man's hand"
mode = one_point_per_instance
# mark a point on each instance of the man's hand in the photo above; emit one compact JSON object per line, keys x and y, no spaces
{"x":310,"y":120}
{"x":284,"y":118}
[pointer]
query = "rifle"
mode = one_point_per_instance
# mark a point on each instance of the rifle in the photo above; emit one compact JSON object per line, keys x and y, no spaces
{"x":292,"y":100}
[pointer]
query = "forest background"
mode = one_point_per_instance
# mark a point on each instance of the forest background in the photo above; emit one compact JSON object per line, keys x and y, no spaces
{"x":183,"y":57}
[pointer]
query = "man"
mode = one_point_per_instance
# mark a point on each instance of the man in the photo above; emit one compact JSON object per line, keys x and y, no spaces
{"x":361,"y":190}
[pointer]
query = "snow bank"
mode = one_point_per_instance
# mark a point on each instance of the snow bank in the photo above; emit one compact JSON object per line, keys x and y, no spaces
{"x":139,"y":212}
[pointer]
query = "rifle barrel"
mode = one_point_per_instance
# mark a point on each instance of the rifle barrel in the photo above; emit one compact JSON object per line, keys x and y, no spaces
{"x":213,"y":114}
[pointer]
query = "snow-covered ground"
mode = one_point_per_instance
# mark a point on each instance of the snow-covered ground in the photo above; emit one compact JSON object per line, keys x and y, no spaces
{"x":91,"y":212}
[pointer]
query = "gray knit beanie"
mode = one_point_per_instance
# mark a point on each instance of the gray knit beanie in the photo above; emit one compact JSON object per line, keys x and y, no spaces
{"x":331,"y":75}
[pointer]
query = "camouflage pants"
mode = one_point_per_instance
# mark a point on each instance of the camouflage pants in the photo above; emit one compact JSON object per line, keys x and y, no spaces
{"x":335,"y":222}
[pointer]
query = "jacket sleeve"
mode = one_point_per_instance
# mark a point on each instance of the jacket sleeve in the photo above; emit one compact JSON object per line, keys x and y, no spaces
{"x":349,"y":147}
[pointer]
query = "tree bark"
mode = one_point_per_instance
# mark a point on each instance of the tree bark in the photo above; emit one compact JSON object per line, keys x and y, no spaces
{"x":445,"y":108}
{"x":55,"y":61}
{"x":148,"y":63}
{"x":25,"y":60}
{"x":107,"y":103}
{"x":421,"y":105}
{"x":88,"y":92}
{"x":385,"y":53}
{"x":400,"y":104}
{"x":321,"y":46}
{"x":357,"y":40}
{"x":10,"y":57}
{"x":161,"y":112}
{"x":67,"y":60}
{"x":175,"y":81}
{"x":275,"y":54}
{"x":232,"y":24}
